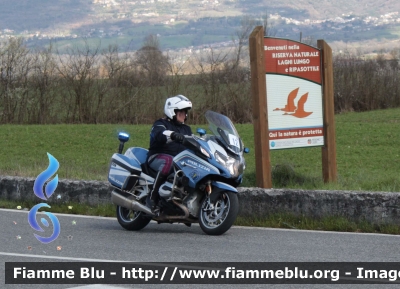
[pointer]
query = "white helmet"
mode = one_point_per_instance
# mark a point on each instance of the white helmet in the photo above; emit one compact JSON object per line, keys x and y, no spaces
{"x":177,"y":102}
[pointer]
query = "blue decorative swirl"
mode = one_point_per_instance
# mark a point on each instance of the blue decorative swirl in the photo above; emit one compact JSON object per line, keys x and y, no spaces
{"x":32,"y":221}
{"x":44,"y":176}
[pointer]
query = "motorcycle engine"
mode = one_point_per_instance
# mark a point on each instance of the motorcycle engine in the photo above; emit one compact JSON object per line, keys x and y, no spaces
{"x":165,"y":190}
{"x":192,"y":202}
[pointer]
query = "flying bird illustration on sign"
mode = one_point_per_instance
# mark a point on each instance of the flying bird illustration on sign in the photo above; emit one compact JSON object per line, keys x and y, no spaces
{"x":290,"y":107}
{"x":293,"y":110}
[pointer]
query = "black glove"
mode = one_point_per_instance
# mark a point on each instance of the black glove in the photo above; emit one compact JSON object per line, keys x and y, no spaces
{"x":178,"y":137}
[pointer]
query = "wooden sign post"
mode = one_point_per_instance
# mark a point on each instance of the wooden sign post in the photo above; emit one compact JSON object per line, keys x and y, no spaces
{"x":292,"y":89}
{"x":260,"y":110}
{"x":329,"y":167}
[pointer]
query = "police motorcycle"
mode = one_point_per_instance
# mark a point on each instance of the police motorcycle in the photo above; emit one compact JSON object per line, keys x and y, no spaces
{"x":201,"y":189}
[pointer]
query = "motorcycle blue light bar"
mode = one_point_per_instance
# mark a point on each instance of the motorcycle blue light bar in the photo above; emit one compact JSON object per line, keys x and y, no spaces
{"x":123,"y":136}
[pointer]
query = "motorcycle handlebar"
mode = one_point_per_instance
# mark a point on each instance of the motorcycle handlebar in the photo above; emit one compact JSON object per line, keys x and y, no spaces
{"x":190,"y":142}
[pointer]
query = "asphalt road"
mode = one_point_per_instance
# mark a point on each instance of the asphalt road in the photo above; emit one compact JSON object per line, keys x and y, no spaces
{"x":95,"y":239}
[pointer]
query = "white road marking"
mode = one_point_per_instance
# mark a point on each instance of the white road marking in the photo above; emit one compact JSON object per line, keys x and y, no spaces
{"x":64,"y":215}
{"x":59,"y":257}
{"x":97,"y":286}
{"x":102,"y":260}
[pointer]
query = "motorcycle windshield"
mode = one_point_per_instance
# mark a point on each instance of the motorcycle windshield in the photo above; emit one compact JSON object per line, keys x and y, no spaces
{"x":222,"y":126}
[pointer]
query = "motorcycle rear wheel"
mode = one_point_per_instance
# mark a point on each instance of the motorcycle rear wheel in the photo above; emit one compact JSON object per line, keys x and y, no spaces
{"x":131,"y":220}
{"x":217,"y":218}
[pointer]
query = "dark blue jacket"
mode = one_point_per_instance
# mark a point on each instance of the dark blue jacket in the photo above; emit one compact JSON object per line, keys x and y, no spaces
{"x":160,"y":143}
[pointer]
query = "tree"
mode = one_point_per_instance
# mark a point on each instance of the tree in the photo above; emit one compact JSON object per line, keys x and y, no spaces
{"x":44,"y":83}
{"x":394,"y":58}
{"x":78,"y":69}
{"x":269,"y":28}
{"x":150,"y":61}
{"x":14,"y":69}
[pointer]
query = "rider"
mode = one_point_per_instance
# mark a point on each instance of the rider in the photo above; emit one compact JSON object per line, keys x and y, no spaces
{"x":166,"y":137}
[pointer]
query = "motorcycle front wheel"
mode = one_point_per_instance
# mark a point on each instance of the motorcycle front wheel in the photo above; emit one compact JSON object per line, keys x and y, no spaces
{"x":131,"y":220}
{"x":216,"y":218}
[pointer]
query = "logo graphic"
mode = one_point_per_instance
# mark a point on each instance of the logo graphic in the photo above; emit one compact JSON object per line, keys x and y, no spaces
{"x":290,"y":107}
{"x":49,"y":190}
{"x":194,"y":175}
{"x":44,"y":176}
{"x":32,"y":221}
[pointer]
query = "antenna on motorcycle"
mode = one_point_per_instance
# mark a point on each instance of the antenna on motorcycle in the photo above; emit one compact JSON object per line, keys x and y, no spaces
{"x":123,"y":138}
{"x":201,"y":131}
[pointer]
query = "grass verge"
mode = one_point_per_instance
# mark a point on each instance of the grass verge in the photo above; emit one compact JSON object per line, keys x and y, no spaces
{"x":286,"y":221}
{"x":333,"y":223}
{"x":368,"y":154}
{"x":103,"y":210}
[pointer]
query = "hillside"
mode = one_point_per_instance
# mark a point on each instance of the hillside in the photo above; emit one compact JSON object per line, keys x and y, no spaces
{"x":35,"y":15}
{"x":26,"y":14}
{"x":184,"y":23}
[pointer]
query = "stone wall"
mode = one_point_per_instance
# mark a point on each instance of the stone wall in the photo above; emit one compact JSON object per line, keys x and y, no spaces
{"x":374,"y":207}
{"x":88,"y":192}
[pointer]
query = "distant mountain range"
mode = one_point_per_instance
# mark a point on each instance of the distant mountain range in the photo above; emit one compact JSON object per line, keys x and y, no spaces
{"x":183,"y":23}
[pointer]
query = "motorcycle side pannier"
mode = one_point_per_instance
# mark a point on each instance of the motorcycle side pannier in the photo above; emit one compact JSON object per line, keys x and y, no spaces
{"x":121,"y":168}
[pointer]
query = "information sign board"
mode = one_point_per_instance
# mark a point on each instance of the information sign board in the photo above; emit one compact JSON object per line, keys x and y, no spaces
{"x":294,"y":94}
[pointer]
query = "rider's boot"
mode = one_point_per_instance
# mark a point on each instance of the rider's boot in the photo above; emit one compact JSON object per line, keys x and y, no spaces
{"x":154,"y":196}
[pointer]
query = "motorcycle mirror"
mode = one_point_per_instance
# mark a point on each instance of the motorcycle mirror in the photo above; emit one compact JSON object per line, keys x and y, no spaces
{"x":246,"y":150}
{"x":123,"y":137}
{"x":201,"y":131}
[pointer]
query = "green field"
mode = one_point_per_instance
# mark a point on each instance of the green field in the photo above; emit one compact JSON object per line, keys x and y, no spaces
{"x":368,"y":152}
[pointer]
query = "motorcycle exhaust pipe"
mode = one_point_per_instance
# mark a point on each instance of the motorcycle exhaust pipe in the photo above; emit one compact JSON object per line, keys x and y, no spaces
{"x":118,"y":199}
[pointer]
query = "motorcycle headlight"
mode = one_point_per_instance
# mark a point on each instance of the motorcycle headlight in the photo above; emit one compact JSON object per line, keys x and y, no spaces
{"x":227,"y":162}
